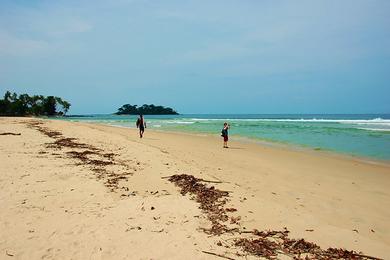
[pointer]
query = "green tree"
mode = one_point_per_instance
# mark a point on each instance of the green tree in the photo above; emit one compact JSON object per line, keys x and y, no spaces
{"x":64,"y":105}
{"x":145,"y":109}
{"x":49,"y":106}
{"x":22,"y":105}
{"x":36,"y":104}
{"x":5,"y":103}
{"x":127,"y":109}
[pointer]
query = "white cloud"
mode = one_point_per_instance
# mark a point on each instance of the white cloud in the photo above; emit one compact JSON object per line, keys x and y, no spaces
{"x":26,"y":31}
{"x":11,"y":45}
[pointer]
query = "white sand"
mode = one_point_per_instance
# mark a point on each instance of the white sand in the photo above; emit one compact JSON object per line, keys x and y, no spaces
{"x":53,"y":208}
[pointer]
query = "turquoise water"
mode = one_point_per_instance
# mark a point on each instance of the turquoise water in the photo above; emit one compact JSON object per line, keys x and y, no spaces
{"x":360,"y":135}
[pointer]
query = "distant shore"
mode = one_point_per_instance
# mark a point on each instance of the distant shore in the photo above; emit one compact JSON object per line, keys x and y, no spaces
{"x":106,"y":193}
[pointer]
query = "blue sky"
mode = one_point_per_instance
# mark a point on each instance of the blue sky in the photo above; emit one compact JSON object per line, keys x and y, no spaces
{"x":226,"y":56}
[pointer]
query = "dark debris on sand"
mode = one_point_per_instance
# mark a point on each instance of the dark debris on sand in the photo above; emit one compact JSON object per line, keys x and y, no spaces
{"x":70,"y":143}
{"x":7,"y":133}
{"x":211,"y":200}
{"x":91,"y":156}
{"x":268,"y":244}
{"x":83,"y":157}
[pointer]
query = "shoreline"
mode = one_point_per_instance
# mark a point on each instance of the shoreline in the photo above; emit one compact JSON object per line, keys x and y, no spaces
{"x":58,"y":193}
{"x":263,"y":142}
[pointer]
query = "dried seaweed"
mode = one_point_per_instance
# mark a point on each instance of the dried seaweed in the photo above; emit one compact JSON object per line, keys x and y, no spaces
{"x":50,"y":133}
{"x":60,"y":141}
{"x":97,"y":163}
{"x":44,"y":130}
{"x":83,"y":156}
{"x":268,"y":243}
{"x":259,"y":247}
{"x":211,"y":200}
{"x":70,"y":143}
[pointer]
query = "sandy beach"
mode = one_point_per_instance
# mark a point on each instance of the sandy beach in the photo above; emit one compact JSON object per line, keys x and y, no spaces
{"x":106,"y":194}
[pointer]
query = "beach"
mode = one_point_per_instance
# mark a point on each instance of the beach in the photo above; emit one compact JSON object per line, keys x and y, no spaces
{"x":116,"y":200}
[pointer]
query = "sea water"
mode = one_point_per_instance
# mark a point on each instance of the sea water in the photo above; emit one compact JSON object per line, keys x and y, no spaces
{"x":366,"y":135}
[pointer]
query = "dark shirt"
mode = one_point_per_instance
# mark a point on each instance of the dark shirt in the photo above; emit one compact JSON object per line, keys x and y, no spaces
{"x":140,"y":123}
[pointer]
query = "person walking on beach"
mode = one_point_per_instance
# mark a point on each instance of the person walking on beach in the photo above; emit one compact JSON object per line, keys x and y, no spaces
{"x":141,"y":124}
{"x":225,"y":134}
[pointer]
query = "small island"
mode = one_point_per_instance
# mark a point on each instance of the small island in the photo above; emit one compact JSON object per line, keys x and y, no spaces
{"x":145,"y":109}
{"x":37,"y":105}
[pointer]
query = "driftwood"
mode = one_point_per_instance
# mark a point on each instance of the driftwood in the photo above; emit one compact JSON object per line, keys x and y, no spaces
{"x":10,"y":133}
{"x":245,"y":232}
{"x":368,"y":257}
{"x":223,"y":256}
{"x":166,"y":177}
{"x":202,"y":180}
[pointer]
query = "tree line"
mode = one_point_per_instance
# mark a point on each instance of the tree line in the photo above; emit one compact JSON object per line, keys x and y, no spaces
{"x":24,"y":105}
{"x":145,"y":109}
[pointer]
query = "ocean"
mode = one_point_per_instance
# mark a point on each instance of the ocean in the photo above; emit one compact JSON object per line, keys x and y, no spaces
{"x":364,"y":135}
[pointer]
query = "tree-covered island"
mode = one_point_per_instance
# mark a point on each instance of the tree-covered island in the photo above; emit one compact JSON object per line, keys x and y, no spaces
{"x":37,"y":105}
{"x":145,"y":109}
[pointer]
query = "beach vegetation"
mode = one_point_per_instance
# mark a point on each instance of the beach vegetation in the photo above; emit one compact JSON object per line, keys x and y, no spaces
{"x":145,"y":109}
{"x":37,"y":105}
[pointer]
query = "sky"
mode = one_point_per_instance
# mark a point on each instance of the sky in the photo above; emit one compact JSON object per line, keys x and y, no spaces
{"x":274,"y":56}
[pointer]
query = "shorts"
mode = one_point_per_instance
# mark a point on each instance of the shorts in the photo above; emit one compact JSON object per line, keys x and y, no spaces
{"x":225,"y":138}
{"x":141,"y":129}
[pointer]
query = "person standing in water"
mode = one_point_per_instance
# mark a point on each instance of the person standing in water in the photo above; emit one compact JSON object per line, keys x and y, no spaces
{"x":225,"y":134}
{"x":141,"y":124}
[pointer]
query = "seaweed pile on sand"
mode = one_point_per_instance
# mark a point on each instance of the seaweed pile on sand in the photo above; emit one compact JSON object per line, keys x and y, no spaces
{"x":211,"y":200}
{"x":268,"y":244}
{"x":88,"y":155}
{"x":271,"y":243}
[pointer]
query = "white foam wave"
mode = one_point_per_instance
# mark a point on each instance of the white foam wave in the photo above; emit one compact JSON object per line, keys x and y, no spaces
{"x":376,"y":124}
{"x":315,"y":120}
{"x":375,"y":129}
{"x":180,"y":122}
